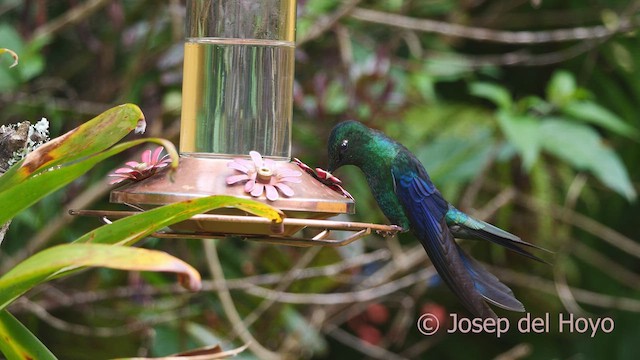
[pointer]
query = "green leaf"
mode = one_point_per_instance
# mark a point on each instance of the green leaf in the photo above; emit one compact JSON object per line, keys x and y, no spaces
{"x":492,"y":92}
{"x":18,"y":343}
{"x":623,"y":57}
{"x":41,"y":266}
{"x":593,"y":113}
{"x":561,"y":88}
{"x":24,"y":194}
{"x":582,"y":147}
{"x":87,"y":139}
{"x":523,"y":132}
{"x":335,"y":98}
{"x":457,"y":158}
{"x":128,"y":230}
{"x":612,"y":172}
{"x":448,"y":68}
{"x":31,"y":60}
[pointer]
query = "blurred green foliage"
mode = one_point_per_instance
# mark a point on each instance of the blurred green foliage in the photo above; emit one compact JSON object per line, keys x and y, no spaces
{"x":554,"y":123}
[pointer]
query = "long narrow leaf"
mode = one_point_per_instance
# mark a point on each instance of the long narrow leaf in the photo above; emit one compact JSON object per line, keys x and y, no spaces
{"x":18,"y":343}
{"x":87,"y":139}
{"x":127,"y":231}
{"x":39,"y":267}
{"x":28,"y":192}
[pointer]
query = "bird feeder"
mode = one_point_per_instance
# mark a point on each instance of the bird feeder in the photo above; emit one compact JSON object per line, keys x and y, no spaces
{"x":237,"y":99}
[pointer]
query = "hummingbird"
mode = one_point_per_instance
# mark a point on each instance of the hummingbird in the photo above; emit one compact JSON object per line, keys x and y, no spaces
{"x":408,"y":198}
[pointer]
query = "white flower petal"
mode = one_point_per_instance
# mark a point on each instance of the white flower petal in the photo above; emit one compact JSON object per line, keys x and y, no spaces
{"x":237,"y":178}
{"x":247,"y":163}
{"x":257,"y":158}
{"x":272,"y":193}
{"x":248,"y":187}
{"x":257,"y":190}
{"x":288,"y":173}
{"x":285,"y":189}
{"x":291,"y":180}
{"x":238,"y":166}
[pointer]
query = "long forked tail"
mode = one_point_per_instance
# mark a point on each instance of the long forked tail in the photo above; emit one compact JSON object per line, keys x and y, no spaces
{"x":488,"y":285}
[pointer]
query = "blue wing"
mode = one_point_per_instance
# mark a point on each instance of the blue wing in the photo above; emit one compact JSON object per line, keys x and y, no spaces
{"x":426,"y":209}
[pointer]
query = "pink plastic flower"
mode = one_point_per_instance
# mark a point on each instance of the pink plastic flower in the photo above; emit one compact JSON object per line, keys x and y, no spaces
{"x":324,"y":177}
{"x":137,"y":171}
{"x":263,"y":175}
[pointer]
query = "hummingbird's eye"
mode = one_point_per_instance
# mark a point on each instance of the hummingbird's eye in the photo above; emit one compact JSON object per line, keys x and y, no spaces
{"x":344,"y":145}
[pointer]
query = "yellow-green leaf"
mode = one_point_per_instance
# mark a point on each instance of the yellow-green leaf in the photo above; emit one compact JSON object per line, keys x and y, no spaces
{"x":24,"y":194}
{"x":87,"y":139}
{"x":61,"y":259}
{"x":127,"y":231}
{"x":18,"y":343}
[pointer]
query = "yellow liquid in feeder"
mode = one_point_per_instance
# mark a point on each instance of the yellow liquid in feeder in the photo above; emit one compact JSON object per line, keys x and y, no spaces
{"x":237,"y":97}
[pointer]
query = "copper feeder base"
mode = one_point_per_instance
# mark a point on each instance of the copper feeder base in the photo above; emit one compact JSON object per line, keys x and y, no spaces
{"x":198,"y":177}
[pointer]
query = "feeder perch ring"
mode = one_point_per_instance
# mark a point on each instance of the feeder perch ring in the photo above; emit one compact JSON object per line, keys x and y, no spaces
{"x":325,"y":228}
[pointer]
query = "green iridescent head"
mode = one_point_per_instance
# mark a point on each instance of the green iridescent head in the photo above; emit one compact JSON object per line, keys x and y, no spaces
{"x":346,"y":144}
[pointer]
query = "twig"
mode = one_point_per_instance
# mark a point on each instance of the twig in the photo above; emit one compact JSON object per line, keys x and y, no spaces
{"x":583,"y":222}
{"x":344,"y":44}
{"x":573,"y":193}
{"x":71,"y":17}
{"x":411,"y":258}
{"x":613,"y":268}
{"x":98,"y":331}
{"x":345,"y":297}
{"x":229,"y":307}
{"x":471,"y":193}
{"x":514,"y":58}
{"x":582,"y":295}
{"x":371,"y":350}
{"x":402,"y":322}
{"x":565,"y":294}
{"x":517,"y":352}
{"x":325,"y":23}
{"x":484,"y":34}
{"x":501,"y":199}
{"x":284,"y":283}
{"x":93,"y":296}
{"x":76,"y":106}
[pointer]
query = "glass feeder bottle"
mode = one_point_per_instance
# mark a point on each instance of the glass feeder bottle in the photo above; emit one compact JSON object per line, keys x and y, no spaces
{"x":238,"y":78}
